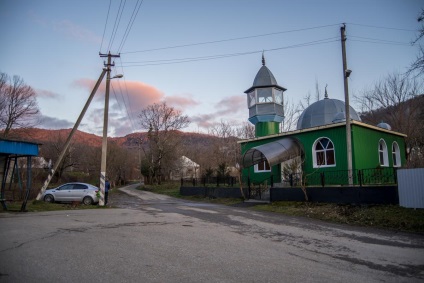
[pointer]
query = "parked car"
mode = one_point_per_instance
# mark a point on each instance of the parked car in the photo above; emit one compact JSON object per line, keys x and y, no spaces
{"x":69,"y":192}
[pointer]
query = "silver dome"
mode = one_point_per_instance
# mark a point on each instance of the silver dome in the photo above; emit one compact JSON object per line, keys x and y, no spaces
{"x":264,"y":77}
{"x":324,"y":112}
{"x":384,"y":126}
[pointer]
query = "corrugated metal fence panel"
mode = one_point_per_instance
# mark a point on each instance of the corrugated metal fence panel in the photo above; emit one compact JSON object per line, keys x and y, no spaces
{"x":411,"y":187}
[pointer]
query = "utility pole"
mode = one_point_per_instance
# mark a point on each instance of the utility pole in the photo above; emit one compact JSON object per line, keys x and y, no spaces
{"x":105,"y":126}
{"x":346,"y":74}
{"x":71,"y":134}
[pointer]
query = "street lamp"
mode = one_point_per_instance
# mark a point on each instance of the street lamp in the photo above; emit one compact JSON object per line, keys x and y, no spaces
{"x":104,"y":140}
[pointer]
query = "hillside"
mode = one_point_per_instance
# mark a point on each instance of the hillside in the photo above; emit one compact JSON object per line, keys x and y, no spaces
{"x":131,"y":140}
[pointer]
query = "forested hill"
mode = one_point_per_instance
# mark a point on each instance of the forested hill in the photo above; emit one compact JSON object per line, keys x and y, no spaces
{"x":43,"y":136}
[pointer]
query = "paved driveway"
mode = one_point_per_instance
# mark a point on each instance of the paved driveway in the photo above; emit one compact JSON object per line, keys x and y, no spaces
{"x":161,"y":239}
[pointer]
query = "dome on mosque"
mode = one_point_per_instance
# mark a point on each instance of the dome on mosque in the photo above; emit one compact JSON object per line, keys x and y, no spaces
{"x":384,"y":126}
{"x":324,"y":112}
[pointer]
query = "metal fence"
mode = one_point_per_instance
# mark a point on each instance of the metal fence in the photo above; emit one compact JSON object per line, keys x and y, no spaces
{"x":411,"y":187}
{"x":360,"y":177}
{"x":227,"y":181}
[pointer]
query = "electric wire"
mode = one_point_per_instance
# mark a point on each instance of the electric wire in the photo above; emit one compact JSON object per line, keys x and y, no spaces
{"x":104,"y":30}
{"x":129,"y":113}
{"x":116,"y":25}
{"x":220,"y":56}
{"x":229,"y":39}
{"x":377,"y":40}
{"x":130,"y":24}
{"x":380,"y":27}
{"x":119,"y":105}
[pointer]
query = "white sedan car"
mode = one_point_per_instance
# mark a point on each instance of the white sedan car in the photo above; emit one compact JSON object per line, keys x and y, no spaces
{"x":70,"y":192}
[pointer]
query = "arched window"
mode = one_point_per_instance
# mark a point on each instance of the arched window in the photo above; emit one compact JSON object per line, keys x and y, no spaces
{"x":396,"y":155}
{"x":382,"y":153}
{"x":323,"y":153}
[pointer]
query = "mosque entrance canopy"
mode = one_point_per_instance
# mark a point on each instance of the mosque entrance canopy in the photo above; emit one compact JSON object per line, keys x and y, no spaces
{"x":274,"y":152}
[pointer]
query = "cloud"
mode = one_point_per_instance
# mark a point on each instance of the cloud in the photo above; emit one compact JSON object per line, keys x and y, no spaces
{"x":127,"y":99}
{"x":41,"y":93}
{"x":181,"y":102}
{"x":73,"y":31}
{"x":136,"y":95}
{"x":231,"y":105}
{"x":47,"y":122}
{"x":232,"y":109}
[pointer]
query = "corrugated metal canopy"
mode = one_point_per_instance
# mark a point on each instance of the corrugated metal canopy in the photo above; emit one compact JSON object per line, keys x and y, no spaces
{"x":9,"y":147}
{"x":274,"y":152}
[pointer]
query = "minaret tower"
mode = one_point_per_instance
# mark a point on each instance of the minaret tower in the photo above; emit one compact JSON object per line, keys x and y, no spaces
{"x":265,"y":102}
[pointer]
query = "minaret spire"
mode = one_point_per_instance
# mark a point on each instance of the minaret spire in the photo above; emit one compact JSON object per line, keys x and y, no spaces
{"x":263,"y":58}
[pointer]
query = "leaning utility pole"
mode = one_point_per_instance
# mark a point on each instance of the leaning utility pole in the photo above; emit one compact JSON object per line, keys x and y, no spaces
{"x":71,"y":134}
{"x":346,"y":74}
{"x":105,"y":126}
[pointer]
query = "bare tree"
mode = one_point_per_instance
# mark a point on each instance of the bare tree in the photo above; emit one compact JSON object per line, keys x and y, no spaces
{"x":18,"y":104}
{"x":291,"y":115}
{"x":418,"y":65}
{"x":398,"y":101}
{"x":245,"y":131}
{"x":163,"y":123}
{"x":225,"y":147}
{"x":52,"y":150}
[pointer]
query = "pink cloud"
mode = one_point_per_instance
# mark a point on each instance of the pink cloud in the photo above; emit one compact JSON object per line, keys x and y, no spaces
{"x":232,"y":109}
{"x":127,"y":99}
{"x":137,"y":95}
{"x":231,"y":105}
{"x":181,"y":101}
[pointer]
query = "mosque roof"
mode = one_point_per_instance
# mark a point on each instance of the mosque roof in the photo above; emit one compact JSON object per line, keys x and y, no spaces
{"x":324,"y":112}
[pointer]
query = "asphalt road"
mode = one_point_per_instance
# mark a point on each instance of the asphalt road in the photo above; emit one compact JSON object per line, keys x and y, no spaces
{"x":154,"y":238}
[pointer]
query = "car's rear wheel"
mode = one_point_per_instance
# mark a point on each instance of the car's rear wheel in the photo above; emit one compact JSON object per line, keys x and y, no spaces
{"x":87,"y":200}
{"x":49,"y":198}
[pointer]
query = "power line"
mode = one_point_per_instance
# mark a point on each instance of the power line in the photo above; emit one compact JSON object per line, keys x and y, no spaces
{"x":104,"y":30}
{"x":130,"y":24}
{"x":128,"y":99}
{"x":117,"y":22}
{"x":381,"y":27}
{"x":230,"y":39}
{"x":119,"y":105}
{"x":377,"y":40}
{"x":220,"y":56}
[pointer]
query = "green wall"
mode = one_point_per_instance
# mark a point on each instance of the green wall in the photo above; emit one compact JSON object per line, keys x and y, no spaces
{"x":364,"y":149}
{"x":263,"y":129}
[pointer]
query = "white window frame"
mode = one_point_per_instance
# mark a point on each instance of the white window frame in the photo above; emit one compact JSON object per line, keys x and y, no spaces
{"x":396,"y":155}
{"x":383,"y":153}
{"x":262,"y":171}
{"x":274,"y":93}
{"x":314,"y":153}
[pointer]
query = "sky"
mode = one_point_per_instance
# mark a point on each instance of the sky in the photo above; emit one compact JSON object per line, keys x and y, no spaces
{"x":198,"y":56}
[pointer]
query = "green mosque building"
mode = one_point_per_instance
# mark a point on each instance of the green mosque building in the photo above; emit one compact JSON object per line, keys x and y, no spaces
{"x":317,"y":151}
